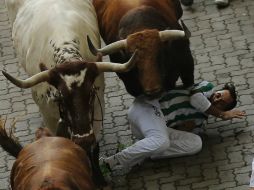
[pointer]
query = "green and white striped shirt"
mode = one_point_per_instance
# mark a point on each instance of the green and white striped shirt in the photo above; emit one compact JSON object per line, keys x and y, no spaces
{"x":177,"y":107}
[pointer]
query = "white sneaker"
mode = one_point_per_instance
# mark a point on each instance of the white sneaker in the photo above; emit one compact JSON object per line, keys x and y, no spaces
{"x":222,"y":3}
{"x":111,"y":163}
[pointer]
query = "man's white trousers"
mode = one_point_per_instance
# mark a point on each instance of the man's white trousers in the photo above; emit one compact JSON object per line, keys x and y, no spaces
{"x":156,"y":140}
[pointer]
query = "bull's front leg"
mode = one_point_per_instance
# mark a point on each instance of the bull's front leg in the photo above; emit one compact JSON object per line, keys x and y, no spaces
{"x":98,"y":177}
{"x":62,"y":130}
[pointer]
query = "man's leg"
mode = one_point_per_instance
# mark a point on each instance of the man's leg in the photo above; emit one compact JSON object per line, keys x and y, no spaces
{"x":148,"y":121}
{"x":181,"y":144}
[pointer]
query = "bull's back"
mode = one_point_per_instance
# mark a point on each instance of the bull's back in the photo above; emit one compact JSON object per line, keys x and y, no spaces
{"x":49,"y":157}
{"x":41,"y":23}
{"x":110,"y":12}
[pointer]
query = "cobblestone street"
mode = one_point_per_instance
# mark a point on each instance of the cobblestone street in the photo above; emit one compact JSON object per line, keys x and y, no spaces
{"x":222,"y":43}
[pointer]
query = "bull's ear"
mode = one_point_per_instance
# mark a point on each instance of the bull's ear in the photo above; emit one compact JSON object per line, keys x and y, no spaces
{"x":43,"y":67}
{"x":99,"y":57}
{"x":42,"y":132}
{"x":186,"y":30}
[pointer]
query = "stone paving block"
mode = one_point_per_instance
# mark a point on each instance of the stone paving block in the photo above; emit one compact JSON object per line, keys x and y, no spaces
{"x":125,"y":140}
{"x":241,"y":72}
{"x":226,"y":176}
{"x":245,"y":169}
{"x":203,"y":65}
{"x":244,"y":138}
{"x":235,"y":157}
{"x":212,"y":68}
{"x":205,"y":183}
{"x":228,"y":69}
{"x":160,"y":175}
{"x":219,"y":154}
{"x":211,"y":42}
{"x":242,"y":179}
{"x":136,"y":184}
{"x":14,"y":89}
{"x":185,"y":187}
{"x":18,"y":106}
{"x":110,"y":138}
{"x":5,"y":104}
{"x":4,"y":184}
{"x":150,"y":185}
{"x":222,"y":186}
{"x":225,"y":43}
{"x":230,"y":166}
{"x":192,"y":181}
{"x":171,"y":179}
{"x":209,"y":76}
{"x":210,"y":173}
{"x":246,"y":99}
{"x":242,"y":187}
{"x":170,"y":186}
{"x":125,"y":132}
{"x":214,"y":34}
{"x":233,"y":126}
{"x":194,"y":171}
{"x":121,"y":120}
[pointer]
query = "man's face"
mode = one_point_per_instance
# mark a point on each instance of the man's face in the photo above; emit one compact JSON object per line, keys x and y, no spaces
{"x":221,"y":99}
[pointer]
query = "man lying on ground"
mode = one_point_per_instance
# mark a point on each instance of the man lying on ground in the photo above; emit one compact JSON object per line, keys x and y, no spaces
{"x":152,"y":122}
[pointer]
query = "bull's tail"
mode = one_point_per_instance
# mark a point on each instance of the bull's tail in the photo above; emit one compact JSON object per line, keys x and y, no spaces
{"x":8,"y":142}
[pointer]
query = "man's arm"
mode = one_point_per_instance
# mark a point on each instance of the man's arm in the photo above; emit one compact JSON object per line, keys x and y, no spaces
{"x":201,"y":103}
{"x":225,"y":115}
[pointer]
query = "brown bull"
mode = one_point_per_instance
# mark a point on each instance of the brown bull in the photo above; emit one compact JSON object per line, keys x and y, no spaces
{"x":153,"y":28}
{"x":49,"y":163}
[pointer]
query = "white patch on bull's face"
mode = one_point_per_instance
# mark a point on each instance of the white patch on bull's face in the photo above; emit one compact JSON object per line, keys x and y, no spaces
{"x":78,"y":79}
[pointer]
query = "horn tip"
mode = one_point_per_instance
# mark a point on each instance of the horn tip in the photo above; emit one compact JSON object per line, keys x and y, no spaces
{"x":91,"y":46}
{"x":135,"y":52}
{"x":5,"y":73}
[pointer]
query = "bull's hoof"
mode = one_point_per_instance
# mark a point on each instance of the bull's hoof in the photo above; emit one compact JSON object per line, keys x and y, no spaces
{"x":187,"y":2}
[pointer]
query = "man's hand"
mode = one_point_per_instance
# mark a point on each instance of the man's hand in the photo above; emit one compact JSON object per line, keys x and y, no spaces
{"x":233,"y":114}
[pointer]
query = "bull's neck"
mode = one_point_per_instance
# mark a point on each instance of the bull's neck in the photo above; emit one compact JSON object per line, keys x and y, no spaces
{"x":67,"y":51}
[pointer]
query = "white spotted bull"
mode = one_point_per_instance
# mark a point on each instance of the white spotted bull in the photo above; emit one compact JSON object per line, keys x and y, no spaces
{"x":67,"y":81}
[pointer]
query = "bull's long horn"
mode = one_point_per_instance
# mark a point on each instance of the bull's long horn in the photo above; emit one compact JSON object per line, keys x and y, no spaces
{"x":109,"y":49}
{"x":117,"y":67}
{"x":166,"y":35}
{"x":30,"y":82}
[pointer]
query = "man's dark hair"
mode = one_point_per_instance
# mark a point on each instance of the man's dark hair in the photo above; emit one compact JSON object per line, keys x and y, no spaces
{"x":231,"y":88}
